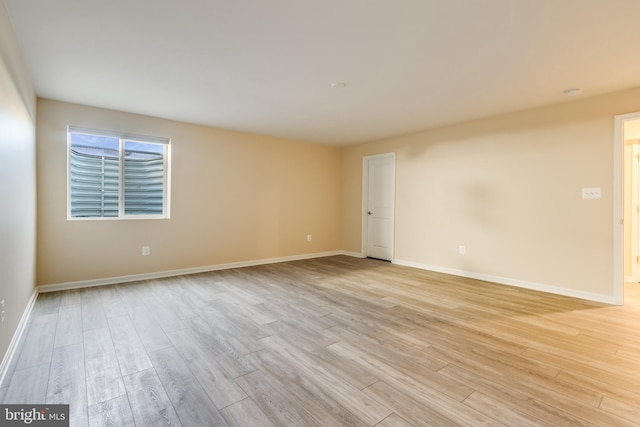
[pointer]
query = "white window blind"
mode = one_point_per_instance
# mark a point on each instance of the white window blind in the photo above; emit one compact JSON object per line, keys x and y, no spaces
{"x":117,"y":175}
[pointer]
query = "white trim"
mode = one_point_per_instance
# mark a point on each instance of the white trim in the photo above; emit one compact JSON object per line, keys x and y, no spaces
{"x":117,"y":134}
{"x":17,"y":337}
{"x":607,"y":299}
{"x":364,"y":232}
{"x":618,"y":205}
{"x":353,"y":254}
{"x":635,"y":201}
{"x":364,"y":241}
{"x":180,"y":272}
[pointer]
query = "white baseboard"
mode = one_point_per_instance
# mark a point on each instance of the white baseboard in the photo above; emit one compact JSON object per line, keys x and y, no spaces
{"x":179,"y":272}
{"x":607,"y":299}
{"x":17,"y":337}
{"x":352,"y":254}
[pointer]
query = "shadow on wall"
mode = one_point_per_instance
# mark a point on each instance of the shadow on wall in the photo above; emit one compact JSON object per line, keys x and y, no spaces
{"x":484,"y":131}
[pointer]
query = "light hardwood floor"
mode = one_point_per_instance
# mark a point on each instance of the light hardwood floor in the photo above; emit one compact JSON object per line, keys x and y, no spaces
{"x":326,"y":342}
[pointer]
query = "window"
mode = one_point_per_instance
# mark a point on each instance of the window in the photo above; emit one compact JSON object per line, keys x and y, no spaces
{"x":117,"y":175}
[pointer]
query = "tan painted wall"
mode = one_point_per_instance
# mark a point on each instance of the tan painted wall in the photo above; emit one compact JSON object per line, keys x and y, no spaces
{"x":509,"y":189}
{"x":235,"y":197}
{"x":17,"y":183}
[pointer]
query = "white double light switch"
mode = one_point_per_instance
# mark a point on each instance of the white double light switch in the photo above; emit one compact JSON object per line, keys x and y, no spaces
{"x":591,"y":193}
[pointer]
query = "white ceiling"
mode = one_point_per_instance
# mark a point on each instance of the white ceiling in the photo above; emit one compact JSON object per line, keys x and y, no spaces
{"x":266,"y":66}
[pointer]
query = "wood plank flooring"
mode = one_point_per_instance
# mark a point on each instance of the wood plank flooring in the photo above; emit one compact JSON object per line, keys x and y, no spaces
{"x":329,"y":342}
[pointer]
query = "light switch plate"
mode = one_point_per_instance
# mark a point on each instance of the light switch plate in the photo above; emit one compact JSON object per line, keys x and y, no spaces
{"x":591,"y":193}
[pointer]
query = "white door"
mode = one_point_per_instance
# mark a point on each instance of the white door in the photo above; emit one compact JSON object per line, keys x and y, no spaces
{"x":380,"y":206}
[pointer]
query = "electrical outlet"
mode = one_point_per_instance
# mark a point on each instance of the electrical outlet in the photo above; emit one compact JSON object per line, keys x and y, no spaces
{"x":146,"y":250}
{"x":462,"y":249}
{"x":308,"y":237}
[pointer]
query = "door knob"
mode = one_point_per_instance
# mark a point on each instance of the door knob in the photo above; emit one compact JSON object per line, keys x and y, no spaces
{"x":369,"y":213}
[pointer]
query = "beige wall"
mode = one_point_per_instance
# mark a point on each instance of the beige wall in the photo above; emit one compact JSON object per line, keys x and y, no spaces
{"x":235,"y":197}
{"x":17,"y":183}
{"x":509,"y":189}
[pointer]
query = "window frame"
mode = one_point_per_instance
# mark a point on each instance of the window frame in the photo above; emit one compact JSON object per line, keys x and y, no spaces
{"x":122,"y":137}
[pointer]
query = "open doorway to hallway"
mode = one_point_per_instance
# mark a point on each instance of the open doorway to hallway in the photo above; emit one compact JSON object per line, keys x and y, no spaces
{"x":631,"y":195}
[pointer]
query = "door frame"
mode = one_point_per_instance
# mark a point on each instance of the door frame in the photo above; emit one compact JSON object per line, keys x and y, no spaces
{"x":618,"y":204}
{"x":635,"y":214}
{"x":365,"y":202}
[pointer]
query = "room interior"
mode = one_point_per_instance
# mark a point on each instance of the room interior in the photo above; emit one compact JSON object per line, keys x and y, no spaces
{"x":503,"y":176}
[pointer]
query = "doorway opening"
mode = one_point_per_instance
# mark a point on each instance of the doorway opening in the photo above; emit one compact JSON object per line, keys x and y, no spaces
{"x":631,"y":226}
{"x":626,"y":209}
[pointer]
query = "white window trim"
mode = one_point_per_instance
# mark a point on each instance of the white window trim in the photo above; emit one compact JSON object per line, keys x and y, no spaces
{"x":122,"y":136}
